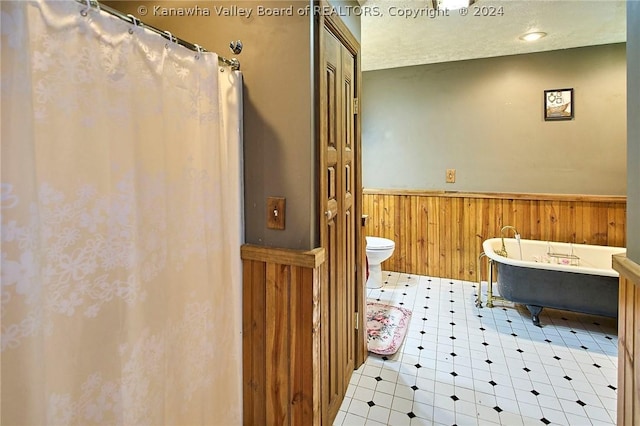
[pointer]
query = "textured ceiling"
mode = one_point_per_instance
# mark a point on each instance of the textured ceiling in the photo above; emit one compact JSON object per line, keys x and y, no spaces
{"x":397,"y":41}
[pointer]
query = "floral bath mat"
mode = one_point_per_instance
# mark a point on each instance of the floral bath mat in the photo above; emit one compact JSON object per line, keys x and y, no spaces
{"x":386,"y":327}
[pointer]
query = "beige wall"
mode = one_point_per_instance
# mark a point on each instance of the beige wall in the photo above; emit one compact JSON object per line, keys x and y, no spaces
{"x":485,"y":119}
{"x":633,"y":119}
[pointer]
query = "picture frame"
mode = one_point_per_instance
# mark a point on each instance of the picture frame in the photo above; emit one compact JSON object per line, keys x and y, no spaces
{"x":558,"y":104}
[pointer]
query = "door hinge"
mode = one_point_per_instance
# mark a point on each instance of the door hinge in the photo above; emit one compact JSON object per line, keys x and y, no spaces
{"x":356,"y":320}
{"x":356,"y":106}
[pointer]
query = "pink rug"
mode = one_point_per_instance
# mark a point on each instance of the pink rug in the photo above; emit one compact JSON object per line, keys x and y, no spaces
{"x":386,"y":327}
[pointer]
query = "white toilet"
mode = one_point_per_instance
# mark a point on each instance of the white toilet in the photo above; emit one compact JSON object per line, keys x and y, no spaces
{"x":378,"y":250}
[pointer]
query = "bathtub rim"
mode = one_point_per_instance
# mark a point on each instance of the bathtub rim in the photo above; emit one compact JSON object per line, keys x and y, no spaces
{"x":489,"y":251}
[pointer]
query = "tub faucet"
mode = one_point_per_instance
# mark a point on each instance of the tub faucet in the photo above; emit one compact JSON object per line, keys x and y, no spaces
{"x":503,"y":250}
{"x":512,"y":228}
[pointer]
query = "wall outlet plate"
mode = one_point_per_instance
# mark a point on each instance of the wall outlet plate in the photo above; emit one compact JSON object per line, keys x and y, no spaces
{"x":276,"y":207}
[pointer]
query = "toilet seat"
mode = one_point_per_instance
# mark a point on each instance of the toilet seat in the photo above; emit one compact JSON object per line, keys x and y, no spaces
{"x":378,"y":243}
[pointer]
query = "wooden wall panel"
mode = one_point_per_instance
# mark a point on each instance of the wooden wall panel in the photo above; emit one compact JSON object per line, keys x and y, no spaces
{"x":253,"y":336}
{"x":628,"y":341}
{"x":281,"y":336}
{"x":441,"y":234}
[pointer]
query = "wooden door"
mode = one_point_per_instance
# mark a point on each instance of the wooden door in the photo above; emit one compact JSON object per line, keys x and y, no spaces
{"x":339,"y":230}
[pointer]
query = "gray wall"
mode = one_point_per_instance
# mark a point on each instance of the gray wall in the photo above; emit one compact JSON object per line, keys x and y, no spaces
{"x":633,"y":119}
{"x":485,"y":119}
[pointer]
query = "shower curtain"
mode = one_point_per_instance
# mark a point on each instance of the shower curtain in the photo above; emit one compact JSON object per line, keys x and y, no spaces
{"x":121,"y":224}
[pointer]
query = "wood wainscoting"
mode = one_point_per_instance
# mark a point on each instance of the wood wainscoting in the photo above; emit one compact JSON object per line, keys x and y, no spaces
{"x":628,"y":341}
{"x":441,"y":233}
{"x":281,"y":335}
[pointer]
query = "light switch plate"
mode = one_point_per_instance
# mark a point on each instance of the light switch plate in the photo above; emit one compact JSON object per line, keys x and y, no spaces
{"x":451,"y":176}
{"x":276,"y":207}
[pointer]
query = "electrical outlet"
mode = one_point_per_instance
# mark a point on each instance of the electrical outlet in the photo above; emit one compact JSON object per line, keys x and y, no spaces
{"x":276,"y":207}
{"x":451,"y":176}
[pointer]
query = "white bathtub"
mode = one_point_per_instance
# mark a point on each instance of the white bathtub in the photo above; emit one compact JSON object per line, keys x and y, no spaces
{"x":594,"y":260}
{"x":574,"y":277}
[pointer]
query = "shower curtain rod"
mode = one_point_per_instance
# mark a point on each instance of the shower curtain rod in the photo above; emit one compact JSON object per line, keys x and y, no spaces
{"x":233,"y":62}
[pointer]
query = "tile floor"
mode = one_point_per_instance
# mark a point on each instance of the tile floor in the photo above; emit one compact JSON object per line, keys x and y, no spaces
{"x":464,"y":365}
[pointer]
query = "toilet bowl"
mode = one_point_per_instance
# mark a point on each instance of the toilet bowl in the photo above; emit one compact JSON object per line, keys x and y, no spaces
{"x":378,"y":250}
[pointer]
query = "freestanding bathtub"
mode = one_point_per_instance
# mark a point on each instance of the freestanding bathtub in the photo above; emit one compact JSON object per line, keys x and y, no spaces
{"x":538,"y":274}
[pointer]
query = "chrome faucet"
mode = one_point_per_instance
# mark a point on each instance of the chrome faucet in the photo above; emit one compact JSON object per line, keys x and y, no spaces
{"x":503,"y":250}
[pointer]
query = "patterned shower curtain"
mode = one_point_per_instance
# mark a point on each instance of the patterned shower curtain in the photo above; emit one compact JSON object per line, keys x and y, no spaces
{"x":121,"y":224}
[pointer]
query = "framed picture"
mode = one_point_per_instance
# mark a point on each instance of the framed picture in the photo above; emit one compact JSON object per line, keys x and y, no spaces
{"x":558,"y":104}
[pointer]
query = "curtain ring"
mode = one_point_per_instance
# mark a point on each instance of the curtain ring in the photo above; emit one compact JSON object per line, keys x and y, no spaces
{"x":171,"y":39}
{"x":84,"y":12}
{"x":135,"y":21}
{"x":198,"y":50}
